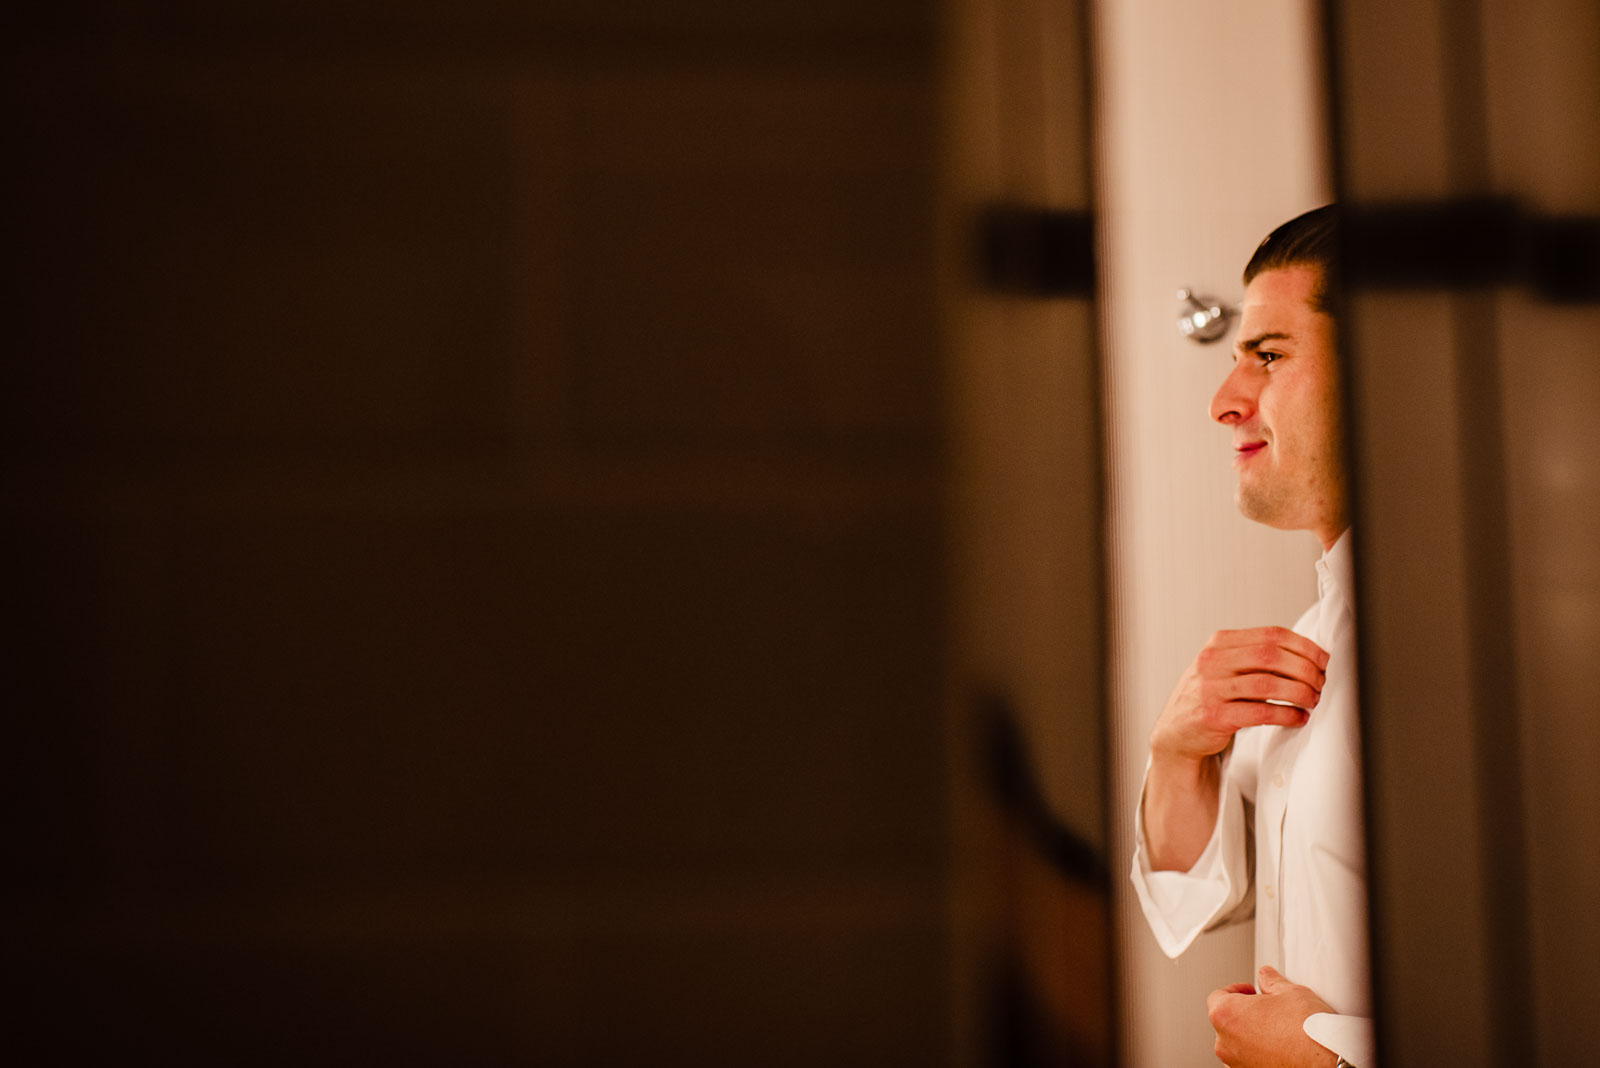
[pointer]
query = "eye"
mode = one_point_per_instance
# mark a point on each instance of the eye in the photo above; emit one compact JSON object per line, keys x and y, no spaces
{"x":1267,"y":358}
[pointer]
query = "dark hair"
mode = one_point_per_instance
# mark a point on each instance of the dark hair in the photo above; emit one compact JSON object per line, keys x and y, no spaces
{"x":1309,"y":240}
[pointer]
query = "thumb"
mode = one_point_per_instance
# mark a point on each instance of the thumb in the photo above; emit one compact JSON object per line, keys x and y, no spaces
{"x":1270,"y":981}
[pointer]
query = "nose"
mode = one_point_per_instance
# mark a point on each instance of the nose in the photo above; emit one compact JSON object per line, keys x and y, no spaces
{"x":1234,"y":401}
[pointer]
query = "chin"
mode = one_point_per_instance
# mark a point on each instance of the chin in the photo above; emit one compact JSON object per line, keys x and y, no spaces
{"x":1264,"y":509}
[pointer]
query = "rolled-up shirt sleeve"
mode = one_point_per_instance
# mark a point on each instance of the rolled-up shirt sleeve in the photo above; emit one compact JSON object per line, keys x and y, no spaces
{"x":1351,"y":1037}
{"x":1217,"y":890}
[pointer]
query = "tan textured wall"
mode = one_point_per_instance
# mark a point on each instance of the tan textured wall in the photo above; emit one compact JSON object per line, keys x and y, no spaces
{"x":1210,"y":133}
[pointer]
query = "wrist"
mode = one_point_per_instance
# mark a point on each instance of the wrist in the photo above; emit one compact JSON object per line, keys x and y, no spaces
{"x":1183,"y":771}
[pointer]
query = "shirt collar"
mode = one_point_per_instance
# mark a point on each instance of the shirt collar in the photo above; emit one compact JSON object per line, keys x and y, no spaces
{"x":1334,"y":569}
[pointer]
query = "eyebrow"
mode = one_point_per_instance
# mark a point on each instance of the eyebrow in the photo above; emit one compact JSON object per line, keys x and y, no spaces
{"x":1256,"y":342}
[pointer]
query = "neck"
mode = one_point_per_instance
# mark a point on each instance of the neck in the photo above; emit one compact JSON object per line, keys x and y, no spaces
{"x":1329,"y":537}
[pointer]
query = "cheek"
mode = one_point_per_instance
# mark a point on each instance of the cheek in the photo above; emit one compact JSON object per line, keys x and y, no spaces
{"x":1304,"y":420}
{"x":1321,"y":427}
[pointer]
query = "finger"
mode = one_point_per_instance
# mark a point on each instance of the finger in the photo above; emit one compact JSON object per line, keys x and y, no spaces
{"x":1232,"y":988}
{"x":1281,"y":636}
{"x":1268,"y":658}
{"x":1272,"y":981}
{"x":1262,"y":687}
{"x":1220,"y":1004}
{"x":1236,"y":715}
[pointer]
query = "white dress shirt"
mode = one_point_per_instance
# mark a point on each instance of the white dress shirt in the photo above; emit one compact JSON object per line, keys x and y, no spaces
{"x":1301,"y":788}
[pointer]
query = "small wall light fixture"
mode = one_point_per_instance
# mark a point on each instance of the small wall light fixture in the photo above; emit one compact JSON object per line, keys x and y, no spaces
{"x":1203,"y":319}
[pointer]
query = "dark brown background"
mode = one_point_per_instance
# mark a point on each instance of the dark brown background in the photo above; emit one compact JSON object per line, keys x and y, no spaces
{"x":473,"y":487}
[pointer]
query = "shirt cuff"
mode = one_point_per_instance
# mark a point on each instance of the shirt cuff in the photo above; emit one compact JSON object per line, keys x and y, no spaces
{"x":1350,"y":1037}
{"x":1179,"y":905}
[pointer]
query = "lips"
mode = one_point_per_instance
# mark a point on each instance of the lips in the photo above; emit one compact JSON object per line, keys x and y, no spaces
{"x":1246,"y":450}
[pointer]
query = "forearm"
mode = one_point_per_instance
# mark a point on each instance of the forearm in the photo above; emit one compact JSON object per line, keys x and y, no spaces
{"x":1180,"y":809}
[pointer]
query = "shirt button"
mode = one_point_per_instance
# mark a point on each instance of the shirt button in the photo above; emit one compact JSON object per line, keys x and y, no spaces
{"x":1269,"y":892}
{"x":1277,"y":780}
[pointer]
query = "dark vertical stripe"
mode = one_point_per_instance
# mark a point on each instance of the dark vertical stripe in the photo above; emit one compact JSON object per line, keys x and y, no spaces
{"x":1463,"y":73}
{"x":1334,"y":103}
{"x":1486,"y":540}
{"x":1100,"y":486}
{"x":1491,"y":646}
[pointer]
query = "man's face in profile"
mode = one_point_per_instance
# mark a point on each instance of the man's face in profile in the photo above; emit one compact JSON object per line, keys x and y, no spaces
{"x":1282,"y":402}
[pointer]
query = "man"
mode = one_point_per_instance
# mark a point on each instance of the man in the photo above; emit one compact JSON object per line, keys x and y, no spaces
{"x":1258,"y":748}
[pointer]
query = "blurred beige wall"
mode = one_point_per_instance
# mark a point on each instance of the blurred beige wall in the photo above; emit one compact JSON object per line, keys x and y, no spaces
{"x":1210,"y":133}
